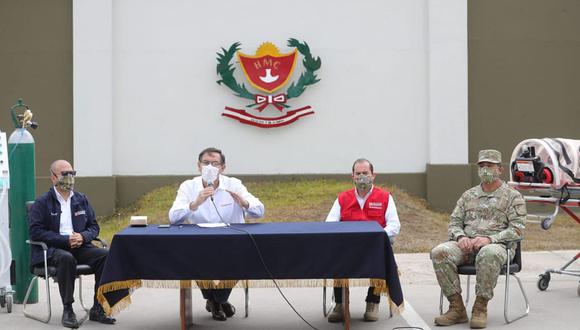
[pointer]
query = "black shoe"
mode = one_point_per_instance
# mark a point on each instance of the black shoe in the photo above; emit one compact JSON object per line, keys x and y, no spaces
{"x":69,"y":318}
{"x":97,"y":314}
{"x":208,"y":305}
{"x":217,"y":312}
{"x":229,"y":309}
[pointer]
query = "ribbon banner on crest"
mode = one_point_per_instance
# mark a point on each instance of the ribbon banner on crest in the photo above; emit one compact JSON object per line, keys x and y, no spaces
{"x":267,"y":122}
{"x":267,"y":71}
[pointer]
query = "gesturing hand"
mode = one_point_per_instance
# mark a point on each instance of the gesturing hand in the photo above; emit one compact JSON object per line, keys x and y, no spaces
{"x":201,"y":198}
{"x":242,"y":202}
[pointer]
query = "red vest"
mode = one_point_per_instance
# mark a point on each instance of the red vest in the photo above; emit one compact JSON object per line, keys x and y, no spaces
{"x":374,"y":208}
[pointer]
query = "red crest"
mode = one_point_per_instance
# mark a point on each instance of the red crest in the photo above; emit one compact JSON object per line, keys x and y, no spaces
{"x":268,"y":70}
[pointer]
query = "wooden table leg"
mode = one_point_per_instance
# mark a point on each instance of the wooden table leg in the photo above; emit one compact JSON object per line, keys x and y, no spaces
{"x":346,"y":307}
{"x":185,"y":308}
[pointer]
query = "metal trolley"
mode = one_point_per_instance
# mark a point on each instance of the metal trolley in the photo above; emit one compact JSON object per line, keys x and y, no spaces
{"x":6,"y":299}
{"x":547,"y":171}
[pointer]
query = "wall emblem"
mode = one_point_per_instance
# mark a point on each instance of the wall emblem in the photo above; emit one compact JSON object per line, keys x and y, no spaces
{"x":267,"y":72}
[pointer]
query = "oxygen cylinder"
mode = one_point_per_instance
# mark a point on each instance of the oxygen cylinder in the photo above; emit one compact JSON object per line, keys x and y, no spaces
{"x":22,"y":189}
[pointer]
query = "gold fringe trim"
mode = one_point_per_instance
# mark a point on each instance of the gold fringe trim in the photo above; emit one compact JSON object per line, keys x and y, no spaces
{"x":379,"y":284}
{"x":381,"y":287}
{"x":397,"y":310}
{"x":131,"y":285}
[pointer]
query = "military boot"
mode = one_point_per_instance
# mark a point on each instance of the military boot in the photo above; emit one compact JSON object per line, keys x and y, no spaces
{"x":456,"y":312}
{"x":372,"y":312}
{"x":479,"y":313}
{"x":337,"y":314}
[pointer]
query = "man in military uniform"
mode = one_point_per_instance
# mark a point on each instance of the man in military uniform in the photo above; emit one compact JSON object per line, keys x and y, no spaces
{"x":486,"y":216}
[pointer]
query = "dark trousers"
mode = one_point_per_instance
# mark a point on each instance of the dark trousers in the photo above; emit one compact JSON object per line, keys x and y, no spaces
{"x":66,"y":262}
{"x":371,"y":297}
{"x":218,"y":295}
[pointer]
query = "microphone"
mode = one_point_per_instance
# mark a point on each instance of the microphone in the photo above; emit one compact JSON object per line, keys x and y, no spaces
{"x":210,"y":184}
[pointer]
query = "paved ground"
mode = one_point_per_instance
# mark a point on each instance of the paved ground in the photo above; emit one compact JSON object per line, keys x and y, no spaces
{"x":556,"y":308}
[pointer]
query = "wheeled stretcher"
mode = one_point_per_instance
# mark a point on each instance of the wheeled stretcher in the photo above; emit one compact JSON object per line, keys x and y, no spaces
{"x":547,"y":171}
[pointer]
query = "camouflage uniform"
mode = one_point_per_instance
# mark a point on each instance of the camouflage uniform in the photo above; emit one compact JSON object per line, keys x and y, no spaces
{"x":499,"y":215}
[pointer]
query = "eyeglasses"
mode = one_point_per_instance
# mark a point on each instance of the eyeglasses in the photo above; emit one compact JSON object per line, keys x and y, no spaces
{"x":65,"y":173}
{"x":214,"y":163}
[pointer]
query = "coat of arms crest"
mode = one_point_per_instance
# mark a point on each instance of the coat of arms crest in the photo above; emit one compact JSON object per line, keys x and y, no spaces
{"x":268,"y":71}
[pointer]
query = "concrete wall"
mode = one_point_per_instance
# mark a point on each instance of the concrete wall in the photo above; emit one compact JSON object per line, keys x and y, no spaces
{"x":523,"y":82}
{"x":524,"y":78}
{"x":36,"y":64}
{"x":393,"y":74}
{"x":524,"y":72}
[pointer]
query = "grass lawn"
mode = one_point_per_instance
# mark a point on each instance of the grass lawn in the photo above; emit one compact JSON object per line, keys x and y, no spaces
{"x":310,"y":200}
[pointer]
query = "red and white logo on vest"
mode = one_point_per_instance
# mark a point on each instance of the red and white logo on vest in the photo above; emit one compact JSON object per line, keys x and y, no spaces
{"x":266,"y":72}
{"x":375,"y":205}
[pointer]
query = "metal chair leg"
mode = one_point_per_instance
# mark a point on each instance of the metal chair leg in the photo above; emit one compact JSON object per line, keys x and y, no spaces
{"x":45,"y":319}
{"x":247,"y":299}
{"x":441,"y":302}
{"x":326,"y":311}
{"x":324,"y":299}
{"x":506,"y":300}
{"x":81,"y":295}
{"x":87,"y":310}
{"x":467,"y":297}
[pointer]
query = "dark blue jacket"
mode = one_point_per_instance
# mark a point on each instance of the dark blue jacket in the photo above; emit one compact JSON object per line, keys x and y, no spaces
{"x":44,"y":224}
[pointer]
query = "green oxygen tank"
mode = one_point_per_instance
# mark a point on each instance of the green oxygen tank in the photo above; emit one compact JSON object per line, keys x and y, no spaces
{"x":22,"y":189}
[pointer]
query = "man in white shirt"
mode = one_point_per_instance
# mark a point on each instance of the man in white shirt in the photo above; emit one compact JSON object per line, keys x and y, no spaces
{"x":214,"y":198}
{"x":363,"y":203}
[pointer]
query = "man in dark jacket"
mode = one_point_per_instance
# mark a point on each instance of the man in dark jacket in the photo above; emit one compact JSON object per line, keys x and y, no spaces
{"x":65,"y":221}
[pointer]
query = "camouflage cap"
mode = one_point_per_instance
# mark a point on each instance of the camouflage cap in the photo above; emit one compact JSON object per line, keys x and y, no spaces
{"x":489,"y":155}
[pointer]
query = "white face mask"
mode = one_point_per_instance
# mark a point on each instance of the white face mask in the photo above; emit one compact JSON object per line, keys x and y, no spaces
{"x":209,"y":173}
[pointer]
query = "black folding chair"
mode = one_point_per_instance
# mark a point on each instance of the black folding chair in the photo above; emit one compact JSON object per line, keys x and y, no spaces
{"x":47,"y":272}
{"x":510,"y":268}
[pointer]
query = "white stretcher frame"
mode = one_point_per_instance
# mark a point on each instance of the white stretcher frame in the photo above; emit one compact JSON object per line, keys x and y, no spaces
{"x":563,"y":195}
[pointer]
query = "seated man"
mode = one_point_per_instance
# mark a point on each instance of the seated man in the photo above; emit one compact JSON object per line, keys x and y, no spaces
{"x":486,"y":216}
{"x":362,"y":203}
{"x":65,"y":221}
{"x":214,"y":197}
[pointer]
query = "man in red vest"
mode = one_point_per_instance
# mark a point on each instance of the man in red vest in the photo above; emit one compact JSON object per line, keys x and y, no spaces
{"x":363,"y":203}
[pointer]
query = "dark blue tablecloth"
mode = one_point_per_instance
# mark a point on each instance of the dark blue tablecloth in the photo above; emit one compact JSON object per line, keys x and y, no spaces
{"x":296,"y":250}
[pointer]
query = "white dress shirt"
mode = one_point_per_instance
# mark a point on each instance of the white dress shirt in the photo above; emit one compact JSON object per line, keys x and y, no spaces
{"x":392,"y":218}
{"x":66,"y":227}
{"x":229,"y":210}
